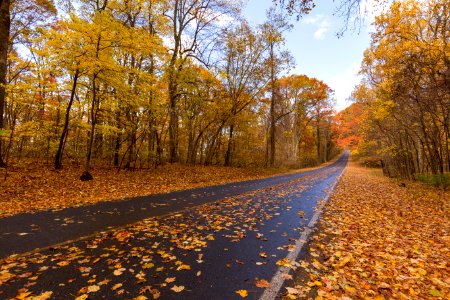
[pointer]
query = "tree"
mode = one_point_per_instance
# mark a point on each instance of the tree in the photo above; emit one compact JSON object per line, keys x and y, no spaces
{"x":405,"y":69}
{"x":17,"y":18}
{"x":192,"y":24}
{"x":5,"y":25}
{"x":243,"y":75}
{"x":277,"y":62}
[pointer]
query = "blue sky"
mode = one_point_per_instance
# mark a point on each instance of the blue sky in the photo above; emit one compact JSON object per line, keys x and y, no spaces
{"x":316,"y":49}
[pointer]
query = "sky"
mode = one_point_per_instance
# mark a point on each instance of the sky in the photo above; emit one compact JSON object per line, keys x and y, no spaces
{"x":318,"y":52}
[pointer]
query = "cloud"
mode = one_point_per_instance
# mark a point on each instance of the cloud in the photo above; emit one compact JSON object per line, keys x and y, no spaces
{"x":343,"y":85}
{"x":321,"y":23}
{"x":319,"y":34}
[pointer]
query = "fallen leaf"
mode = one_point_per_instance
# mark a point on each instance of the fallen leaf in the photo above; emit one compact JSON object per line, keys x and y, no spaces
{"x":93,"y":288}
{"x":177,"y":288}
{"x":242,"y":293}
{"x":170,"y":279}
{"x":43,"y":296}
{"x":261,"y":283}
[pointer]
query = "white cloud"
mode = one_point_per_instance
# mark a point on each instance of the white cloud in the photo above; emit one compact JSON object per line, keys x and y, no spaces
{"x":321,"y":23}
{"x":313,"y":19}
{"x":319,"y":34}
{"x":343,"y":85}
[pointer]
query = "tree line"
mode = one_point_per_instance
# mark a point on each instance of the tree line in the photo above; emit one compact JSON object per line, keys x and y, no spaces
{"x":403,"y":103}
{"x":138,"y":83}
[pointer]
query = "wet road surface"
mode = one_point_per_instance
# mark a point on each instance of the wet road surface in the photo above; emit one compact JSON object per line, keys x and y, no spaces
{"x":176,"y":248}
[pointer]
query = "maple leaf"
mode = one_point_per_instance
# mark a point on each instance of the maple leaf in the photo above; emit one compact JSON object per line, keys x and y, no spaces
{"x":177,"y":288}
{"x":93,"y":288}
{"x":242,"y":293}
{"x":261,"y":283}
{"x":170,"y":279}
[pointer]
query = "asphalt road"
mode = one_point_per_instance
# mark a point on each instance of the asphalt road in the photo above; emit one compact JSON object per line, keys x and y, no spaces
{"x":203,"y":243}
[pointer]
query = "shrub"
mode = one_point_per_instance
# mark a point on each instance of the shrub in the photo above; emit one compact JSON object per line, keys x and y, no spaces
{"x":437,"y":180}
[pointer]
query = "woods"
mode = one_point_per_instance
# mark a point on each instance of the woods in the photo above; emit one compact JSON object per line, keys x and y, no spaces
{"x":136,"y":84}
{"x":404,"y":100}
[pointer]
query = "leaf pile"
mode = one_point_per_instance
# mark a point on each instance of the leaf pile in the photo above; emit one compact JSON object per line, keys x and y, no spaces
{"x":379,"y":240}
{"x":38,"y":188}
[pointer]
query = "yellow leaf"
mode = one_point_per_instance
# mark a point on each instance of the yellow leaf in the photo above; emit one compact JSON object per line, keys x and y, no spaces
{"x":93,"y":288}
{"x":262,"y":283}
{"x":170,"y":279}
{"x":43,"y":296}
{"x":183,"y":267}
{"x":242,"y":293}
{"x":292,"y":291}
{"x":23,"y":295}
{"x":177,"y":288}
{"x":82,"y":297}
{"x":118,"y":272}
{"x":148,"y":266}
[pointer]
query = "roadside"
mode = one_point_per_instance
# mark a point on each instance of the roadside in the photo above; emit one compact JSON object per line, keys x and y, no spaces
{"x":378,"y":240}
{"x":38,"y":188}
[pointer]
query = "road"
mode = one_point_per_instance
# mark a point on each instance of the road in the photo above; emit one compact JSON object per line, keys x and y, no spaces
{"x":203,"y":243}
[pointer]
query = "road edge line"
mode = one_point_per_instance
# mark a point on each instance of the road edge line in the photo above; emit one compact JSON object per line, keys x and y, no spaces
{"x":277,"y":280}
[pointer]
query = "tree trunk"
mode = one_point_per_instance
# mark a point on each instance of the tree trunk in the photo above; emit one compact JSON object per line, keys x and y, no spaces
{"x":271,"y":150}
{"x":230,"y":145}
{"x":87,"y":166}
{"x":5,"y":25}
{"x":62,"y":140}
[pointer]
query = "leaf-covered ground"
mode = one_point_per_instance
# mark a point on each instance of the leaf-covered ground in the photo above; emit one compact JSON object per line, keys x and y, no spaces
{"x":34,"y":187}
{"x":379,"y":240}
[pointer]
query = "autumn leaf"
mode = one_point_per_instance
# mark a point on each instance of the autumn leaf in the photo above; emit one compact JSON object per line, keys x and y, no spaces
{"x":435,"y":293}
{"x":170,"y":279}
{"x":118,"y":272}
{"x":93,"y":288}
{"x":292,"y":291}
{"x":261,"y":283}
{"x":183,"y":267}
{"x":82,"y":297}
{"x":43,"y":296}
{"x":242,"y":293}
{"x":177,"y":288}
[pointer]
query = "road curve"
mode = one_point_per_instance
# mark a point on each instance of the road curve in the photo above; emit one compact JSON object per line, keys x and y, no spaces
{"x":27,"y":231}
{"x":209,"y":251}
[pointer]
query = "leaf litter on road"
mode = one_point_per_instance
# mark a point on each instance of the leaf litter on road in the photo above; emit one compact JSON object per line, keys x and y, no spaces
{"x":148,"y":252}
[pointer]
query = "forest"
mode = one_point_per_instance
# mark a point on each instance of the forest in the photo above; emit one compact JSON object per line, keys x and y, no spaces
{"x":401,"y":114}
{"x":134,"y":84}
